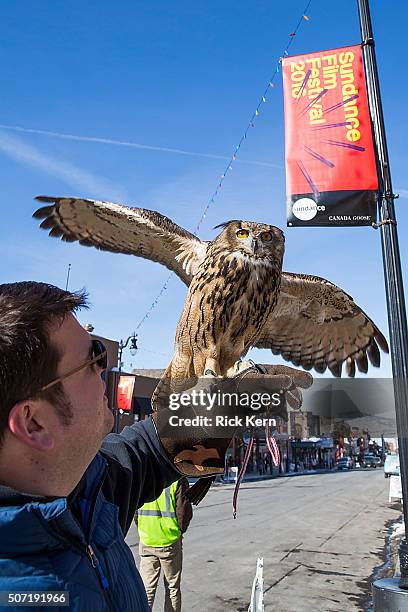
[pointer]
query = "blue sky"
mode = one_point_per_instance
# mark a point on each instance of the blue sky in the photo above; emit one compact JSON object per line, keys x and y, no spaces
{"x":185,"y":76}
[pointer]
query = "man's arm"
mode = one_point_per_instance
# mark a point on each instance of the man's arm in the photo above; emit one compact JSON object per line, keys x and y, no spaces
{"x":138,"y":469}
{"x":184,"y":509}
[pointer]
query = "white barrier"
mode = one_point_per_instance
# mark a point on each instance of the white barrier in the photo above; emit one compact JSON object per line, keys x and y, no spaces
{"x":395,"y":489}
{"x":257,"y":595}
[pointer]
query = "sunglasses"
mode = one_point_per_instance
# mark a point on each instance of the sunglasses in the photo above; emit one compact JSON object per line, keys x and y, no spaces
{"x":99,"y":357}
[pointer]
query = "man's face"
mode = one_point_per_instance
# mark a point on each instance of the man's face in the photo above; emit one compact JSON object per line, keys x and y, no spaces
{"x":80,"y":440}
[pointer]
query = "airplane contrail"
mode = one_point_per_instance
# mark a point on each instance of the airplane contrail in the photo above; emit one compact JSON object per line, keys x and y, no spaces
{"x":74,"y":176}
{"x":135,"y":145}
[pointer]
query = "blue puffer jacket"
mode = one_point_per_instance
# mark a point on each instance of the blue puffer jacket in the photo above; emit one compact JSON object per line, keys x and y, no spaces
{"x":76,"y":544}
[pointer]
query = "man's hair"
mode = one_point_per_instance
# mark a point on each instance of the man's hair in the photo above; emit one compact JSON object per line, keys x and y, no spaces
{"x":28,"y":360}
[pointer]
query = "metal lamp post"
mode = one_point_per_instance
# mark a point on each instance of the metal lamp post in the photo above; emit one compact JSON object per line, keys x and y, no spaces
{"x":396,"y":598}
{"x":133,"y":348}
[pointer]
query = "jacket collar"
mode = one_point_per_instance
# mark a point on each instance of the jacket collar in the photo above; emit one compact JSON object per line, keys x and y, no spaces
{"x":30,"y":523}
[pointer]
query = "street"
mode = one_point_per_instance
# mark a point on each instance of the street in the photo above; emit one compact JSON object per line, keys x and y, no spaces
{"x":321,"y":538}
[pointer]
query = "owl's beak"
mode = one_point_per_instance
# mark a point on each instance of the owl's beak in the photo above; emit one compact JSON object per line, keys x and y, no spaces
{"x":254,"y":245}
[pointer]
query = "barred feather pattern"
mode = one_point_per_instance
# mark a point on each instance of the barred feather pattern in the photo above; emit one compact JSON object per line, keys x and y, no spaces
{"x":315,"y":324}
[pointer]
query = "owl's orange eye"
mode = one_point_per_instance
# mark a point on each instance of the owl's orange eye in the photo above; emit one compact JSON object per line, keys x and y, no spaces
{"x":266,"y":236}
{"x":242,"y":233}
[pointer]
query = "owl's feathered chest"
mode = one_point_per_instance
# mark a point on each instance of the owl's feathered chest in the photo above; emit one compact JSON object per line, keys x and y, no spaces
{"x":234,"y":274}
{"x":231,"y":295}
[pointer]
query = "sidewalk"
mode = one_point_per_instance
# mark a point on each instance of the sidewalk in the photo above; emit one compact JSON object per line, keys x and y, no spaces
{"x":255,"y":477}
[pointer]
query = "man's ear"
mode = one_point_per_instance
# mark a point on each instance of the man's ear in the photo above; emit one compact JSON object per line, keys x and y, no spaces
{"x":29,"y":422}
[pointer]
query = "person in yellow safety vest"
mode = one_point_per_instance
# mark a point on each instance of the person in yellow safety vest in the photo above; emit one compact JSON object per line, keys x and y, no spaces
{"x":161,"y":524}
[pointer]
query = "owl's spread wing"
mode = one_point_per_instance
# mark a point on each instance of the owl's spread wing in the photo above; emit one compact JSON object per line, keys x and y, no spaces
{"x":120,"y":229}
{"x":315,"y":324}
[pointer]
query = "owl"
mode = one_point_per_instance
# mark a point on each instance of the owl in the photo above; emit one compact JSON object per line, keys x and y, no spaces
{"x":229,"y":300}
{"x":238,"y":296}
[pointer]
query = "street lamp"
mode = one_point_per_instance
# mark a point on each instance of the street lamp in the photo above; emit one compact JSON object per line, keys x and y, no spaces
{"x":123,"y":344}
{"x":133,"y":348}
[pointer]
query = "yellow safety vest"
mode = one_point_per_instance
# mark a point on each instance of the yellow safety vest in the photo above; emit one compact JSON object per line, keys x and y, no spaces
{"x":157,"y":521}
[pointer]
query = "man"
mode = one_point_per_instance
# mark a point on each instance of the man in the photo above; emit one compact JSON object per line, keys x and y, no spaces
{"x":68,"y":491}
{"x":161,"y":526}
{"x":65,"y":508}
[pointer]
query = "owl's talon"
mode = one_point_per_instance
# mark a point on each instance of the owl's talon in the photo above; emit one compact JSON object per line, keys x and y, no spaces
{"x":240,"y":366}
{"x":209,"y":373}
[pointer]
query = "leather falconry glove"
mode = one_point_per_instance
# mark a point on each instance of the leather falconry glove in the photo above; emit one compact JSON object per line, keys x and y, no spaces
{"x":196,"y":423}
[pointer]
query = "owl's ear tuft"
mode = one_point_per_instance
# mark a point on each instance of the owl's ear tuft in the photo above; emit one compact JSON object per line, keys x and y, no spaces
{"x":226,"y":223}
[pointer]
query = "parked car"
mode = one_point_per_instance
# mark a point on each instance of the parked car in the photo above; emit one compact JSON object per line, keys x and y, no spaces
{"x":372,"y":461}
{"x":345,"y":463}
{"x":391,"y":466}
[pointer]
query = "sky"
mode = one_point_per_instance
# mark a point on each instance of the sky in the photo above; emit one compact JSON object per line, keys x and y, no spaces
{"x":143,"y":103}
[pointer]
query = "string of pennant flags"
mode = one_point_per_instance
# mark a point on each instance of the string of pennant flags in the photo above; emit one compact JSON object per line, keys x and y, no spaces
{"x":251,"y":124}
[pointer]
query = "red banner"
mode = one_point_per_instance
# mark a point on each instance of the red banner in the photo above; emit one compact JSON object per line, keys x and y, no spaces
{"x":331,"y":175}
{"x":125,"y":392}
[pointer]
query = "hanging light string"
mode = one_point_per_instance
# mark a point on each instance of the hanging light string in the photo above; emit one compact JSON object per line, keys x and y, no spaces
{"x":155,"y":301}
{"x":228,"y":168}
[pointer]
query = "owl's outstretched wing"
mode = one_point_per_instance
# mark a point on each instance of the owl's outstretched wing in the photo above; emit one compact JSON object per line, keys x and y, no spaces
{"x":315,"y":324}
{"x":120,"y":229}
